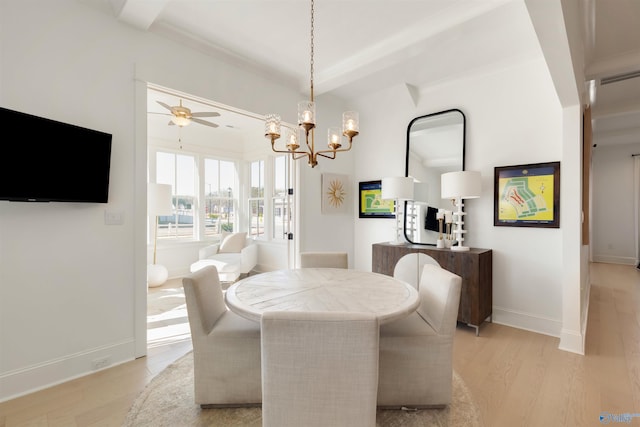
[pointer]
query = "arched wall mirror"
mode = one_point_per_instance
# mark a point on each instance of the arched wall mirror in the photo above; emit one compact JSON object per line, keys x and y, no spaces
{"x":435,"y":145}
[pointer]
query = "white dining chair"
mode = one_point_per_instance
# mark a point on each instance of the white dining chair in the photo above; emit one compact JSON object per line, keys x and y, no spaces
{"x":409,"y":267}
{"x":416,"y":352}
{"x":226,"y":346}
{"x":324,"y":259}
{"x":319,"y":369}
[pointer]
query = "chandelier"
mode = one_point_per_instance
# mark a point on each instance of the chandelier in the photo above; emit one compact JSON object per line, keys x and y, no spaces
{"x":307,"y":122}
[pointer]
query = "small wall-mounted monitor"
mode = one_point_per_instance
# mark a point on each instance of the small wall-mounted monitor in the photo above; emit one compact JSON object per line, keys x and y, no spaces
{"x":50,"y":161}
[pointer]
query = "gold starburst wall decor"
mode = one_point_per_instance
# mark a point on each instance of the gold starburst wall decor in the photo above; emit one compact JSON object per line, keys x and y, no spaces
{"x":335,"y":193}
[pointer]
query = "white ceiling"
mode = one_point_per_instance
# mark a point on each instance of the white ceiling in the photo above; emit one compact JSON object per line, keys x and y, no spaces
{"x":361,"y":45}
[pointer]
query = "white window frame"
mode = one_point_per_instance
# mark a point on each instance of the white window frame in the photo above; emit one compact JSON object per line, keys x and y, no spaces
{"x":269,"y":197}
{"x":199,"y":208}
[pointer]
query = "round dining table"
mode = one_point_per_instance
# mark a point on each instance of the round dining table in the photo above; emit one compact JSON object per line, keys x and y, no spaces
{"x":322,"y":289}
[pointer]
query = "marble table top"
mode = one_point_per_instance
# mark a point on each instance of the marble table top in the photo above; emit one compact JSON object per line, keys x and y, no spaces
{"x":322,"y":289}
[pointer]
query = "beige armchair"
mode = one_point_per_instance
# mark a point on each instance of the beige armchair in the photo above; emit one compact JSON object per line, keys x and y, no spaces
{"x":235,"y":255}
{"x":226,"y":347}
{"x":324,"y":259}
{"x":416,"y":365}
{"x":319,"y":369}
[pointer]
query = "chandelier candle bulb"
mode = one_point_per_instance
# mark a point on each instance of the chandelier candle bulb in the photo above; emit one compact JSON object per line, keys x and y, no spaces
{"x":334,"y":138}
{"x":272,"y":126}
{"x":292,"y":145}
{"x":350,"y":124}
{"x":306,"y":113}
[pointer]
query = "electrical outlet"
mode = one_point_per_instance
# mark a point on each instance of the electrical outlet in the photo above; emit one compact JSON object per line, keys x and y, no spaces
{"x":101,"y":362}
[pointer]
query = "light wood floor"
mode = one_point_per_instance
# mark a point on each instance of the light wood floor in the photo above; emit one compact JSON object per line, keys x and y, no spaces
{"x":517,"y":378}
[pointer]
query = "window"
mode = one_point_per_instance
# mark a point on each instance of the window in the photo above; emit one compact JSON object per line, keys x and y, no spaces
{"x":219,"y":205}
{"x":214,"y":195}
{"x":256,"y":199}
{"x":178,"y":170}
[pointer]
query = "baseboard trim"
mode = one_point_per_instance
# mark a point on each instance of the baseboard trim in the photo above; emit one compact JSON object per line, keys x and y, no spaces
{"x":614,"y":260}
{"x":526,"y":321}
{"x":572,"y":341}
{"x":56,"y":371}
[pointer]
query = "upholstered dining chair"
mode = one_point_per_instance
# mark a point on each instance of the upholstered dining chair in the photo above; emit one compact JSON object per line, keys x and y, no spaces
{"x":416,"y":352}
{"x":409,"y":267}
{"x":226,"y":346}
{"x":319,"y":369}
{"x":324,"y":259}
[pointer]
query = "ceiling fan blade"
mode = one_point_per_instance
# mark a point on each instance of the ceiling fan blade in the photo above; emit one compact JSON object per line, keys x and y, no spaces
{"x":171,"y":123}
{"x":164,"y":105}
{"x":204,"y":122}
{"x":159,"y":114}
{"x":205,"y":114}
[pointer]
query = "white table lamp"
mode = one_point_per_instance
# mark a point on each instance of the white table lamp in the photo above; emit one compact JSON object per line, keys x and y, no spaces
{"x":398,"y":188}
{"x":159,"y":202}
{"x":459,"y":186}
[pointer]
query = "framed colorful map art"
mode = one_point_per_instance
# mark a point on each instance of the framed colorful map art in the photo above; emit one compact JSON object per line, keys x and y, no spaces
{"x":371,"y":204}
{"x":527,"y":195}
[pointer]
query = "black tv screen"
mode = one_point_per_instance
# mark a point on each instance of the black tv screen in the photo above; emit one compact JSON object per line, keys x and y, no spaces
{"x":50,"y":161}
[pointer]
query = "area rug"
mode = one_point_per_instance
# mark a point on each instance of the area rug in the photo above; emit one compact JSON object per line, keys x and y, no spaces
{"x":168,"y":401}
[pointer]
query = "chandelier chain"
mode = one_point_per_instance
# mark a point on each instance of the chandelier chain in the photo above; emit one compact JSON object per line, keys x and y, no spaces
{"x":311,"y":62}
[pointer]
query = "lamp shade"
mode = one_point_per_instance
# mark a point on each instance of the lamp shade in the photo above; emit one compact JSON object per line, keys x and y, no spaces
{"x":463,"y":184}
{"x":159,"y":199}
{"x":397,"y":187}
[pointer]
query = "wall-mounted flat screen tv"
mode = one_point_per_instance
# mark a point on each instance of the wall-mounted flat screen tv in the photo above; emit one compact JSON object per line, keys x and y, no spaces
{"x":50,"y":161}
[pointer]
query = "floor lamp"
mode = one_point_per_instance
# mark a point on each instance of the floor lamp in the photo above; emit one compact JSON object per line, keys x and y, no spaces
{"x":398,"y":188}
{"x":159,"y":202}
{"x":459,"y":186}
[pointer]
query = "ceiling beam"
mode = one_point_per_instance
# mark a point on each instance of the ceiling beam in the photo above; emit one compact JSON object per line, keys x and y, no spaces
{"x":139,"y":13}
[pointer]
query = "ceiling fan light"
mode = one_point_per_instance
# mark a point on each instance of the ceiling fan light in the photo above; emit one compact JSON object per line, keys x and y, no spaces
{"x":180,"y":121}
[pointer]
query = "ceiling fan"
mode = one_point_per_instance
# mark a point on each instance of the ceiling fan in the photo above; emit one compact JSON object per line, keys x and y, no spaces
{"x":182,"y":116}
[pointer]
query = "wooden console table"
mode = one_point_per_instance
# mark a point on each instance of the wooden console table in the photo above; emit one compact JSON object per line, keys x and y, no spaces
{"x":475,"y":266}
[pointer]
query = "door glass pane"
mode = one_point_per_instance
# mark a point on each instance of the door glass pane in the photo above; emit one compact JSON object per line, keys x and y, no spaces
{"x":212,"y":204}
{"x":256,"y":200}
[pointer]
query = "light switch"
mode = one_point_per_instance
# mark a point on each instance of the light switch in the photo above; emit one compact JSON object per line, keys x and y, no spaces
{"x":113,"y":218}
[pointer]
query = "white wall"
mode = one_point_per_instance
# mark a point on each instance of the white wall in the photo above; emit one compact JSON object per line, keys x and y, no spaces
{"x":612,"y":214}
{"x":513,"y":117}
{"x":73,"y":289}
{"x":318,"y":231}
